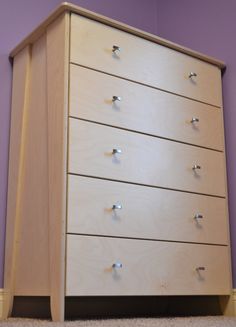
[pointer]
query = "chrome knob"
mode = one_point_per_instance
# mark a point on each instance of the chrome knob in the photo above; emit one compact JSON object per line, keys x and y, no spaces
{"x":115,"y":151}
{"x":196,"y":167}
{"x":116,"y":48}
{"x":117,"y":206}
{"x":116,"y":98}
{"x":192,"y":74}
{"x":198,"y":216}
{"x":195,"y":120}
{"x":117,"y":265}
{"x":200,"y":268}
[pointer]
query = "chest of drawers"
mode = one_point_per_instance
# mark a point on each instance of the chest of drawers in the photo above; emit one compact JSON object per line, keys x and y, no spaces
{"x":117,"y":182}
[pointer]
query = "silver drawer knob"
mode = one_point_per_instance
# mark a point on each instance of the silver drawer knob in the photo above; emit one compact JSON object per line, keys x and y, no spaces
{"x":116,"y":98}
{"x":198,"y":216}
{"x":115,"y":151}
{"x":200,"y":268}
{"x":192,"y":74}
{"x":117,"y":206}
{"x":196,"y":167}
{"x":195,"y":120}
{"x":116,"y":48}
{"x":117,"y":265}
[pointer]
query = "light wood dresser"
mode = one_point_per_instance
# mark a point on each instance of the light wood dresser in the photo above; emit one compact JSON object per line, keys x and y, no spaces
{"x":117,"y":179}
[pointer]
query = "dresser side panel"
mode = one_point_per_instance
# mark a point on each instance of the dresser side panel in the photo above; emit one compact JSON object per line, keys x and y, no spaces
{"x":16,"y":154}
{"x":32,"y":265}
{"x":57,"y":98}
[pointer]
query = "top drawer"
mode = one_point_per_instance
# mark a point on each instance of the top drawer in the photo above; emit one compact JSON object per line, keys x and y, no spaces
{"x":142,"y":61}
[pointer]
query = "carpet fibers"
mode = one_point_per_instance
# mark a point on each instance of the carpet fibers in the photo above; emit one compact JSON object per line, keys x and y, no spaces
{"x":210,"y":321}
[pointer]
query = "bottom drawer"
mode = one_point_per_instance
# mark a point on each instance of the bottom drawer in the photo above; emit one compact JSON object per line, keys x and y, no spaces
{"x":148,"y":267}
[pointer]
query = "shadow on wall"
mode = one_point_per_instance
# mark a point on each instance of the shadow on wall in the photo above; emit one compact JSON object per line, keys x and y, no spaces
{"x":5,"y":95}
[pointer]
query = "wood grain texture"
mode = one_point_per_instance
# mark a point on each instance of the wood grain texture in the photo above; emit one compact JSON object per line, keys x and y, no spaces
{"x":149,"y":267}
{"x":57,"y":81}
{"x":19,"y":111}
{"x":144,"y":159}
{"x":146,"y":212}
{"x":68,"y":7}
{"x":32,"y":246}
{"x":37,"y":198}
{"x":227,"y":305}
{"x":142,"y":61}
{"x":143,"y":109}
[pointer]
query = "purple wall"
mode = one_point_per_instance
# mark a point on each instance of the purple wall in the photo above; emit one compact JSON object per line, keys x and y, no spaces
{"x":17,"y":19}
{"x":203,"y":25}
{"x":209,"y":26}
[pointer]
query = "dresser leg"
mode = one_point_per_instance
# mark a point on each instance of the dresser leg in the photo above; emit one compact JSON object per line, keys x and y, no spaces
{"x":7,"y":305}
{"x":57,"y":309}
{"x":227,"y":305}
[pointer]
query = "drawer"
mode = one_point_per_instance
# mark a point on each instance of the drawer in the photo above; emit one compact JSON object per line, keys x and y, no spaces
{"x":148,"y":267}
{"x":144,"y":159}
{"x":142,"y":61}
{"x":143,"y":109}
{"x":146,"y":212}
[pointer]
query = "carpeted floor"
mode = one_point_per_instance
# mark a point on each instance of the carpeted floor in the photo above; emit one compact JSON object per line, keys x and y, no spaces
{"x":211,"y":321}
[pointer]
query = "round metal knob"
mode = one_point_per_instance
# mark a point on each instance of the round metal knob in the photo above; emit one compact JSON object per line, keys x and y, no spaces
{"x":117,"y":206}
{"x":116,"y":98}
{"x":198,"y":216}
{"x":192,"y":74}
{"x":117,"y":265}
{"x":200,"y":268}
{"x":195,"y":120}
{"x":116,"y":48}
{"x":196,"y":167}
{"x":115,"y":151}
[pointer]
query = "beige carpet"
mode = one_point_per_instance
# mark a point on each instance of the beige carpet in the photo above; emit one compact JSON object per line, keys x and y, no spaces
{"x":216,"y":321}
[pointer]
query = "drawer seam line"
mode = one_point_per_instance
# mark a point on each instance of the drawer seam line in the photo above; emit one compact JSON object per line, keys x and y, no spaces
{"x":146,"y":185}
{"x":146,"y":134}
{"x":144,"y":239}
{"x":147,"y":85}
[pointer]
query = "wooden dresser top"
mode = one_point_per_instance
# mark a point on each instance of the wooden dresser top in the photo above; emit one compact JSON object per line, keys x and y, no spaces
{"x":68,"y":7}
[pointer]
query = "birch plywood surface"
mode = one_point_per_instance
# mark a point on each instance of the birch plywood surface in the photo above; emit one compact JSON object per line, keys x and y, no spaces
{"x":143,"y":109}
{"x":145,"y":212}
{"x":16,"y":156}
{"x":69,"y":7}
{"x":143,"y":61}
{"x":148,"y":267}
{"x":32,"y":269}
{"x":146,"y":174}
{"x":144,"y":159}
{"x":57,"y":80}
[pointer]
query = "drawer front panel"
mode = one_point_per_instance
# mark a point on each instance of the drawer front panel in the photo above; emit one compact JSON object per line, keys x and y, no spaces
{"x":143,"y":212}
{"x":143,"y":61}
{"x":143,"y":109}
{"x":148,"y":267}
{"x":144,"y":159}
